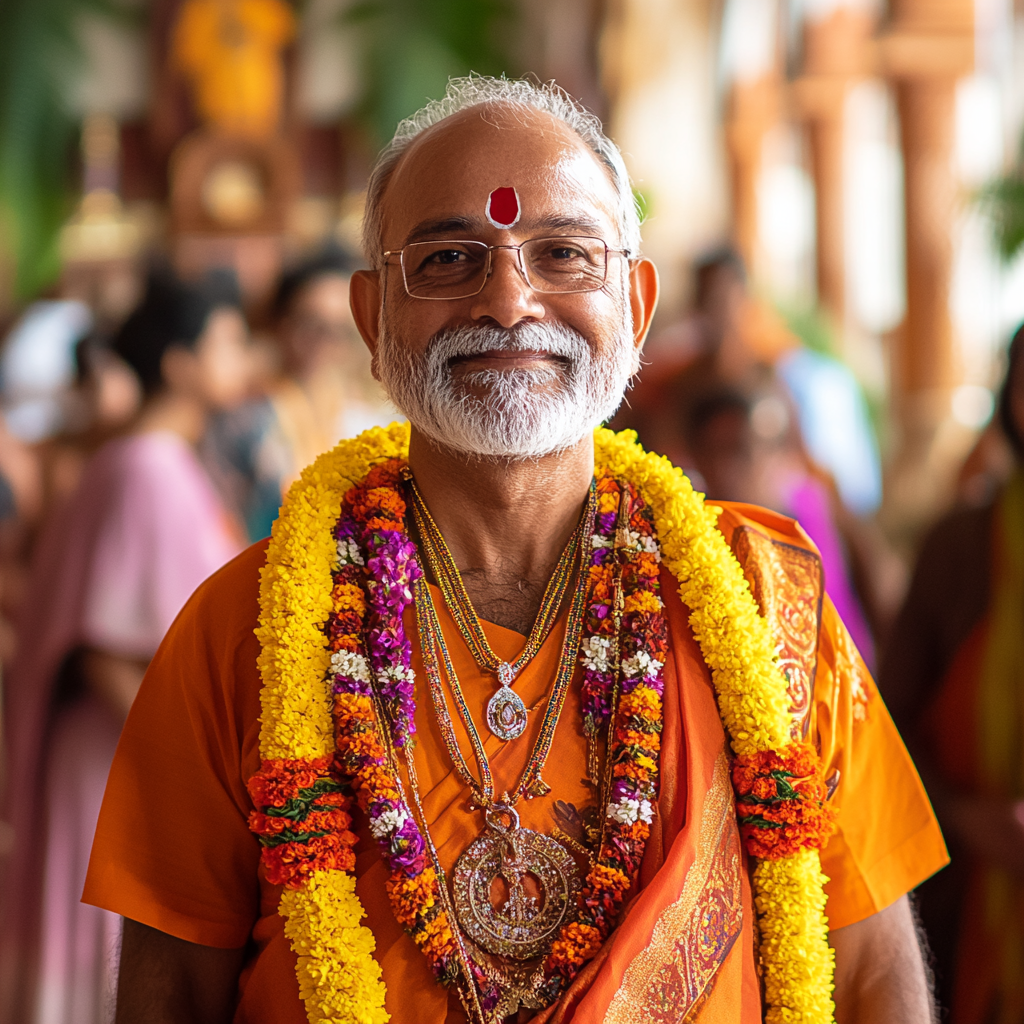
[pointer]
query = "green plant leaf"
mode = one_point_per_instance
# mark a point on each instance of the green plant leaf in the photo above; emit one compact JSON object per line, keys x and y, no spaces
{"x":39,"y":54}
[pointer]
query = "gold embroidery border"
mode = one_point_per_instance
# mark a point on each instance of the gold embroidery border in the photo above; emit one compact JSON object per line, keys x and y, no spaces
{"x":635,"y":991}
{"x":776,"y":561}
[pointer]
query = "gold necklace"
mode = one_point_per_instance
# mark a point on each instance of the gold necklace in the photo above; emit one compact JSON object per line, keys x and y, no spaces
{"x":531,"y":782}
{"x":522,"y":929}
{"x":506,"y":712}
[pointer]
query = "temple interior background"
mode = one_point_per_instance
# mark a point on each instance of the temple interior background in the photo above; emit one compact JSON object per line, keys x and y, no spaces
{"x":853,"y":152}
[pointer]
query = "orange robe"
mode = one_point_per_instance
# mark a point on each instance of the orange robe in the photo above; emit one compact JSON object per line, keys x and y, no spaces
{"x":173,"y":851}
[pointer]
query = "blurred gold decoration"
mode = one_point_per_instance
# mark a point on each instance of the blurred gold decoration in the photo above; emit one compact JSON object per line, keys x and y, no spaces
{"x":100,"y":230}
{"x":233,"y":193}
{"x":230,"y":51}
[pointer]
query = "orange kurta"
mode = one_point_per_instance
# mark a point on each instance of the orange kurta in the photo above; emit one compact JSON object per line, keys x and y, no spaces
{"x":173,"y":850}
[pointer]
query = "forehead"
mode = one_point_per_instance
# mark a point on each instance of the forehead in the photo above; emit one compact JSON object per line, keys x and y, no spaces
{"x":445,"y":177}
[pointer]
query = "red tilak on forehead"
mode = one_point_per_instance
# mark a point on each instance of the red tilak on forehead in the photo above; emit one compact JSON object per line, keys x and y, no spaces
{"x":503,"y":207}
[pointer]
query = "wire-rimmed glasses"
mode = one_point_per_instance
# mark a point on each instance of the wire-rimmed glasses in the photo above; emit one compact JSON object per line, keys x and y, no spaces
{"x":459,"y":268}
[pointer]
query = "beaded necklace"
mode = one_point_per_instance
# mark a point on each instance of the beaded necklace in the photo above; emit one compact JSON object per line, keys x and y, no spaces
{"x":506,"y":712}
{"x":531,"y":783}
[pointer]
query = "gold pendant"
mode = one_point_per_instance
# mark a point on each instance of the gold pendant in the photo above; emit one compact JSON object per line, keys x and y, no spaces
{"x":525,"y":925}
{"x":506,"y":712}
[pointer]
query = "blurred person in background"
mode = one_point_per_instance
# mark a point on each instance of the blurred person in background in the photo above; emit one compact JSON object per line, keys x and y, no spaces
{"x":20,"y":502}
{"x":732,"y":340}
{"x":727,"y":338}
{"x":104,"y":397}
{"x":748,"y":449}
{"x":37,"y":366}
{"x":324,"y":392}
{"x":953,"y":677}
{"x":113,"y":566}
{"x":733,"y":337}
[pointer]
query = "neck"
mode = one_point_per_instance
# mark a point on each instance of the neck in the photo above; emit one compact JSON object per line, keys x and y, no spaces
{"x":506,"y":523}
{"x":174,"y":412}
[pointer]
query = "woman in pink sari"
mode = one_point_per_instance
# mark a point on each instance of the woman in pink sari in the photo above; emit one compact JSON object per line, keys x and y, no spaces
{"x":112,"y":569}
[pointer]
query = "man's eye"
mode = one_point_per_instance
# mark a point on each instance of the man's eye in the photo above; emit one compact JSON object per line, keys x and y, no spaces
{"x":564,"y":252}
{"x":448,"y":256}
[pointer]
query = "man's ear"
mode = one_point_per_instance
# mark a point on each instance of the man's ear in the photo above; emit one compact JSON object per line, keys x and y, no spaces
{"x":643,"y":299}
{"x":364,"y":296}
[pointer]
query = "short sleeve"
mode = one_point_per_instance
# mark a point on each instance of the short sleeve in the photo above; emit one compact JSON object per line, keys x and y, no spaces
{"x":887,"y":840}
{"x":172,"y":847}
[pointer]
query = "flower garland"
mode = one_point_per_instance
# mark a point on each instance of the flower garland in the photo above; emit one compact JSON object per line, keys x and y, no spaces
{"x":372,"y":523}
{"x":338,"y":978}
{"x":635,"y":741}
{"x":797,"y":962}
{"x":368,"y":642}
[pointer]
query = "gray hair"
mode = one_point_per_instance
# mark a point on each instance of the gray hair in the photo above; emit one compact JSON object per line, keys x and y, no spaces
{"x":521,"y":94}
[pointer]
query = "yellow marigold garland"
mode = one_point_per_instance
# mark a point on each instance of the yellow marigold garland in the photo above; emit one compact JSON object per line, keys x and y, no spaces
{"x":736,"y":643}
{"x":339,"y":980}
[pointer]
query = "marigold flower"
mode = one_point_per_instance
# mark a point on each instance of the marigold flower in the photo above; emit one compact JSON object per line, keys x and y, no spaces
{"x":782,"y":801}
{"x":642,"y":701}
{"x":412,"y":897}
{"x":642,"y":601}
{"x":348,"y":596}
{"x":279,"y":780}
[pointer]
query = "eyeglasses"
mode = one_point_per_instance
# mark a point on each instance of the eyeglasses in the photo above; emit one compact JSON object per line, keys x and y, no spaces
{"x":458,"y":269}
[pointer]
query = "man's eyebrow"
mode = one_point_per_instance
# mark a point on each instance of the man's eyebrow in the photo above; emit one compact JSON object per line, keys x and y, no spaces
{"x":559,"y":222}
{"x":444,"y":226}
{"x":431,"y":229}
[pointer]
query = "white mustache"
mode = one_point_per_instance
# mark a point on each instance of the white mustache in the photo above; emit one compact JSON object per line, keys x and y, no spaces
{"x":552,"y":339}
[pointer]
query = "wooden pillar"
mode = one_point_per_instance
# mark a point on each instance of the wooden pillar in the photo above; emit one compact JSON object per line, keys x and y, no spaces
{"x":926,"y":107}
{"x":836,"y":52}
{"x":928,"y":45}
{"x":754,"y":109}
{"x":826,"y":145}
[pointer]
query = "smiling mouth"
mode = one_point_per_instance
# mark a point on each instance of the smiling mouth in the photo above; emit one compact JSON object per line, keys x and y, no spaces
{"x":503,"y":359}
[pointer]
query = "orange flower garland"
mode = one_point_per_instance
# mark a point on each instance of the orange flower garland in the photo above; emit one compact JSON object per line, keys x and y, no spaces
{"x":302,"y":821}
{"x":634,"y":742}
{"x":781,"y":801}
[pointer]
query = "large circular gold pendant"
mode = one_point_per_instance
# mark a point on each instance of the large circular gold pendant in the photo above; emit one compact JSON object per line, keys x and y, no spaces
{"x":525,"y":925}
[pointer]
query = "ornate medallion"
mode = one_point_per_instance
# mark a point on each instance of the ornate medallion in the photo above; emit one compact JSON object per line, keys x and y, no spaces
{"x":526,"y":924}
{"x":506,"y":712}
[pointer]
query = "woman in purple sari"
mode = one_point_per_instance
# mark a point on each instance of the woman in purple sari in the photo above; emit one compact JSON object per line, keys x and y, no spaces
{"x":112,"y":568}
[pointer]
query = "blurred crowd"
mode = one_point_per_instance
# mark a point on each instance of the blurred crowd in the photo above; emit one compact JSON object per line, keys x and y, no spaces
{"x":138,"y":457}
{"x":135,"y":460}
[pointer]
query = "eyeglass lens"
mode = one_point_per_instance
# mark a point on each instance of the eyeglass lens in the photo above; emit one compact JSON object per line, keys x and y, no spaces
{"x":457,"y":269}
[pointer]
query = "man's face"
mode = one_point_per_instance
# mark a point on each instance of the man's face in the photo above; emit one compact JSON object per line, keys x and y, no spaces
{"x":509,"y":371}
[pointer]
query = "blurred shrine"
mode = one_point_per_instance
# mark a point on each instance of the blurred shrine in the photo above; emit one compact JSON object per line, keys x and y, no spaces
{"x":221,"y":167}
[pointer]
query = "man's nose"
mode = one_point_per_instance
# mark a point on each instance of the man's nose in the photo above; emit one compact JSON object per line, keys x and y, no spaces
{"x":507,"y":297}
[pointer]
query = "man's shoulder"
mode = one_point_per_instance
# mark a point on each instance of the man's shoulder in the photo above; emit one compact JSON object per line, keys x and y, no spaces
{"x":738,"y":516}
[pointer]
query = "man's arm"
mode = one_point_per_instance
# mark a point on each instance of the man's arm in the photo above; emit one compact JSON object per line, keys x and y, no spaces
{"x":880,"y":972}
{"x":164,"y":980}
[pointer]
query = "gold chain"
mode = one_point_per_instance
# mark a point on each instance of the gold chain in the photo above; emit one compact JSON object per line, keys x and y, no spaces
{"x":449,"y":580}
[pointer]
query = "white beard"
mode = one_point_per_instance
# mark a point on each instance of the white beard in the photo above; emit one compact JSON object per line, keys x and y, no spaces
{"x":524,"y":413}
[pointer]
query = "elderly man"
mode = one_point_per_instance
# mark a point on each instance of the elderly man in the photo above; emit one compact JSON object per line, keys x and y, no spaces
{"x":513,"y":740}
